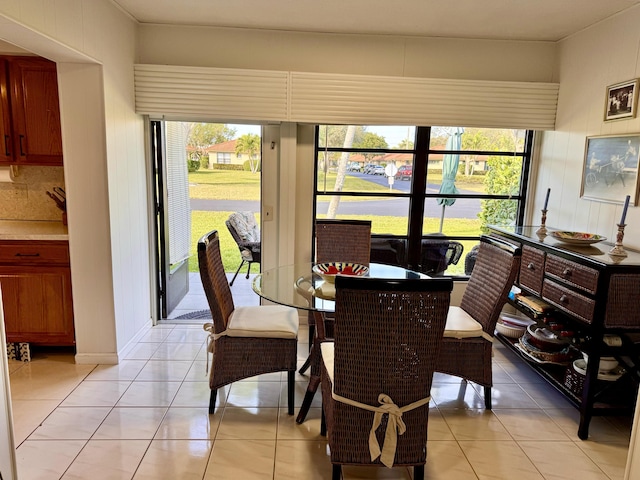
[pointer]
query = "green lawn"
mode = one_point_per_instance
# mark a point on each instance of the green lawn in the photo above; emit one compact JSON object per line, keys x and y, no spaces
{"x":234,"y":184}
{"x":224,"y":185}
{"x":203,"y":222}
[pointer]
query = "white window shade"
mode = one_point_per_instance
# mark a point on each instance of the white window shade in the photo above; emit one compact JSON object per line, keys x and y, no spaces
{"x":367,"y":100}
{"x":261,"y":95}
{"x":178,"y":206}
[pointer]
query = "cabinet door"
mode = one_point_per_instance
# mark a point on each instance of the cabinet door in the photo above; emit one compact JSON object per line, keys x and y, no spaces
{"x":38,"y":305}
{"x":5,"y":122}
{"x":35,"y":108}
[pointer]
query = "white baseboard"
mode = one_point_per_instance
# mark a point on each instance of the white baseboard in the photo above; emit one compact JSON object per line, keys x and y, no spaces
{"x":111,"y":358}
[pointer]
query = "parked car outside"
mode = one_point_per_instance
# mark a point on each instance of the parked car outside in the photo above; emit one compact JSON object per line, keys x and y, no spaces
{"x":367,"y":168}
{"x":354,"y":167}
{"x":377,"y":170}
{"x":404,"y":172}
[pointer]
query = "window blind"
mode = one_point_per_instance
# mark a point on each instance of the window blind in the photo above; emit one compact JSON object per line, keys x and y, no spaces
{"x":304,"y":97}
{"x":178,"y":206}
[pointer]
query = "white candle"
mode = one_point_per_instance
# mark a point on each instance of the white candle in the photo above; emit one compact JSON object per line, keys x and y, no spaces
{"x":546,"y":200}
{"x":624,"y":209}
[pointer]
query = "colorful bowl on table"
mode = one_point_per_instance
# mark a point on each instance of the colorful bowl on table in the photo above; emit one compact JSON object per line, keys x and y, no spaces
{"x":578,"y":238}
{"x":329,"y":270}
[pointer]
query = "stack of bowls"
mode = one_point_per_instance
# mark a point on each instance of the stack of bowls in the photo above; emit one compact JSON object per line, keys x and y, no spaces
{"x":511,"y":326}
{"x":543,"y":344}
{"x":606,"y":363}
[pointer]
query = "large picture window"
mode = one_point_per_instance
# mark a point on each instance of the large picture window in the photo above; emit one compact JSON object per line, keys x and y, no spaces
{"x":422,"y":186}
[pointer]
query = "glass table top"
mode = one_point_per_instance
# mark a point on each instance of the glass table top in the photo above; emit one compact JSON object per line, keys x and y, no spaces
{"x":297,"y":286}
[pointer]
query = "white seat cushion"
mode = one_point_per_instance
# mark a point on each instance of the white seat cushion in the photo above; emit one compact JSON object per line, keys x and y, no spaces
{"x":461,"y":325}
{"x":327,"y":351}
{"x":268,"y":321}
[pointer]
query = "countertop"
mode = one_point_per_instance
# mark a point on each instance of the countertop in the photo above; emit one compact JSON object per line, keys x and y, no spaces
{"x":32,"y":230}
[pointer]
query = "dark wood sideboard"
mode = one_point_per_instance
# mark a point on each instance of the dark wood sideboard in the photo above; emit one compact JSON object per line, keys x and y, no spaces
{"x":597,"y":296}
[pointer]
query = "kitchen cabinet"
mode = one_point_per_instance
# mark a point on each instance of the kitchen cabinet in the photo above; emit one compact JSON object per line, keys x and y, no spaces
{"x":29,"y":112}
{"x":593,"y":295}
{"x":36,"y":292}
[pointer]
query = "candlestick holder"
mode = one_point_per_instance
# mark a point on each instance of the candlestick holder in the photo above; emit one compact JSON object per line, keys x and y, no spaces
{"x":618,"y":250}
{"x":542,"y":231}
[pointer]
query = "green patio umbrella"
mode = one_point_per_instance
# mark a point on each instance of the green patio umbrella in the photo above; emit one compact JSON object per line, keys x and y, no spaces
{"x":449,"y":171}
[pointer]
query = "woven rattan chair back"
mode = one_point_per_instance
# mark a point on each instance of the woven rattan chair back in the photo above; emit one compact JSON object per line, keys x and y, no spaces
{"x":495,"y":270}
{"x":387,"y":338}
{"x":214,"y":280}
{"x":343,"y":241}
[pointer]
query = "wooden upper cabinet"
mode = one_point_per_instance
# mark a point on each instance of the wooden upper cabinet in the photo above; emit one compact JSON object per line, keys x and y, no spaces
{"x":35,"y":111}
{"x":6,"y":142}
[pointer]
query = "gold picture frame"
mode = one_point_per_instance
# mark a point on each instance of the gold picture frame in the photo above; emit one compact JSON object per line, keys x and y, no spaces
{"x":621,"y":101}
{"x":610,"y":169}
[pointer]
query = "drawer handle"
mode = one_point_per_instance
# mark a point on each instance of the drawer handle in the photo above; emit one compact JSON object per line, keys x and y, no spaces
{"x":566,"y":272}
{"x":6,"y":146}
{"x":22,"y":154}
{"x":563,"y":299}
{"x":531,"y":266}
{"x":27,"y":254}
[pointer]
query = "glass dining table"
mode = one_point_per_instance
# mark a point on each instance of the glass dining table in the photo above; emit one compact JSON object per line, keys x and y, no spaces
{"x":299,"y":287}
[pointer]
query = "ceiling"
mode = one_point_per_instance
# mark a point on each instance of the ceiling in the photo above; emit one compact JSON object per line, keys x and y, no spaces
{"x":548,"y":20}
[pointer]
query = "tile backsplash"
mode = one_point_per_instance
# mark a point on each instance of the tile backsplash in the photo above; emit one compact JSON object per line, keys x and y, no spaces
{"x":26,"y":197}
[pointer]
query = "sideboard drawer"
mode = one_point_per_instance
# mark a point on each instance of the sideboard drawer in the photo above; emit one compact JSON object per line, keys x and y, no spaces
{"x":574,"y":274}
{"x":532,"y":269}
{"x":568,"y":300}
{"x":34,"y":253}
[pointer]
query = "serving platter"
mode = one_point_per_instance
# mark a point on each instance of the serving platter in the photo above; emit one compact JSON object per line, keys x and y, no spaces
{"x":577,"y":238}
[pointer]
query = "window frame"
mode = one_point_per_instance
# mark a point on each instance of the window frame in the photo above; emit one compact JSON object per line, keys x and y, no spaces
{"x":418,"y":194}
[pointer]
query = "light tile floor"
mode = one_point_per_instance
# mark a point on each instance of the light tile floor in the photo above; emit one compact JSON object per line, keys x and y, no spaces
{"x":147,"y":418}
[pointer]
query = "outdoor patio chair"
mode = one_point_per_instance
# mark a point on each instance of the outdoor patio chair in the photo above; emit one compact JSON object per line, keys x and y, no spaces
{"x":468,"y":338}
{"x":437,"y":254}
{"x":377,"y":374}
{"x":246,"y":233}
{"x":244,"y":341}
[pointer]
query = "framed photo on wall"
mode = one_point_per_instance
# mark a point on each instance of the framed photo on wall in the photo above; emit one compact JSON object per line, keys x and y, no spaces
{"x":622,"y":100}
{"x":610,"y":170}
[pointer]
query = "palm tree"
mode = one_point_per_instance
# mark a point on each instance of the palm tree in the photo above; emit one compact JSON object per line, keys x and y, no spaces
{"x":249,"y":144}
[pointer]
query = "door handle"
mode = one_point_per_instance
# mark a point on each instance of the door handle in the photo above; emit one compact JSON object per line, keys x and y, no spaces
{"x":6,"y":146}
{"x":22,"y":154}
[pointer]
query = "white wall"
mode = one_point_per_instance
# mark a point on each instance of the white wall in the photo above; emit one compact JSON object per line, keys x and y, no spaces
{"x":94,"y":44}
{"x":602,"y":55}
{"x":355,"y":54}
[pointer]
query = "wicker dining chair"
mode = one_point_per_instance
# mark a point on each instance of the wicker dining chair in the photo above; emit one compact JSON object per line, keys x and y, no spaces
{"x":340,"y":241}
{"x":468,"y":338}
{"x":336,"y":241}
{"x":244,"y":341}
{"x":343,"y":241}
{"x":387,"y":338}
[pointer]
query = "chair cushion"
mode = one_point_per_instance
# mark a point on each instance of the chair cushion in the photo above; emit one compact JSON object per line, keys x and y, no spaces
{"x":245,"y":225}
{"x":267,"y":321}
{"x":461,"y":325}
{"x":327,"y":351}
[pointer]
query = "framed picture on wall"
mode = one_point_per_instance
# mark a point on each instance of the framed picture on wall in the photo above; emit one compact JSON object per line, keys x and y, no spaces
{"x":610,"y":170}
{"x":622,"y":100}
